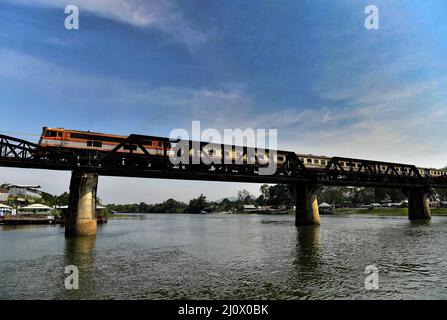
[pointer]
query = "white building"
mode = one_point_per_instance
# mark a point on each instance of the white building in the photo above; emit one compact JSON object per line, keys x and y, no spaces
{"x":4,"y":194}
{"x":26,"y":192}
{"x":249,"y":207}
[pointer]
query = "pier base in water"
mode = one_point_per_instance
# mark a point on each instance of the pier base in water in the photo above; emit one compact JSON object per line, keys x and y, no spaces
{"x":418,"y":204}
{"x":81,"y":219}
{"x":306,"y":205}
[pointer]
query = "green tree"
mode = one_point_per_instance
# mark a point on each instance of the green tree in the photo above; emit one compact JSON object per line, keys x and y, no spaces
{"x":243,"y":197}
{"x":196,"y":205}
{"x":225,"y":205}
{"x":63,"y":199}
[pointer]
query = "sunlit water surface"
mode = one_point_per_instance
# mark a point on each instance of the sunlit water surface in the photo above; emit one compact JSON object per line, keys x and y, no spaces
{"x":171,"y":256}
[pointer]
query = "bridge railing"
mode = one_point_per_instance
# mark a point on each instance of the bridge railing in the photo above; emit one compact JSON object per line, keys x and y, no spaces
{"x":350,"y":169}
{"x":22,"y":153}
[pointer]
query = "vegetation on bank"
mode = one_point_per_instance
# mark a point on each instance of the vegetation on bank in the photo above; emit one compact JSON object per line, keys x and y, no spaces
{"x":278,"y":197}
{"x":387,"y":211}
{"x":275,"y":196}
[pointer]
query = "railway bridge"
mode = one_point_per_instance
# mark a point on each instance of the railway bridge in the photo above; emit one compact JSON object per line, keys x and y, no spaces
{"x":304,"y":181}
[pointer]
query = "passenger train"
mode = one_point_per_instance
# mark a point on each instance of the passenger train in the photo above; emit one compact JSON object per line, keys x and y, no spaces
{"x":88,"y":143}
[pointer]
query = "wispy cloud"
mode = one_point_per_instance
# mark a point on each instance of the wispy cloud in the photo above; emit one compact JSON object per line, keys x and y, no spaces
{"x":163,"y":15}
{"x":383,"y":123}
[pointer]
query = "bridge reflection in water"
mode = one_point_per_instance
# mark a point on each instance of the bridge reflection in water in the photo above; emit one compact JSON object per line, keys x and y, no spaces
{"x":308,"y":257}
{"x":79,"y":252}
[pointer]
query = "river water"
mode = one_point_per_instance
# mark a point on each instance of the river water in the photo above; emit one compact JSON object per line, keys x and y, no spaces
{"x":172,"y":256}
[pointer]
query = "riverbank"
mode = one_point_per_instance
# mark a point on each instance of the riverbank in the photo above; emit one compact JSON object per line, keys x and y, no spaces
{"x":386,"y":211}
{"x":338,"y":211}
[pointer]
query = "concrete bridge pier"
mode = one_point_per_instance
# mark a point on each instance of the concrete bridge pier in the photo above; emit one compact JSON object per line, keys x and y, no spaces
{"x":81,"y":219}
{"x":418,"y":204}
{"x":306,"y":204}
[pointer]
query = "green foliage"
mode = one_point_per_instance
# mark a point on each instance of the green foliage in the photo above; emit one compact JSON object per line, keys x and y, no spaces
{"x":196,"y":205}
{"x":277,"y":196}
{"x":353,"y":197}
{"x":168,"y":206}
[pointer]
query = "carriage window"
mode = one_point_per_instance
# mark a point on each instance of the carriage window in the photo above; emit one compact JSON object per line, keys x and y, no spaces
{"x":211,"y":152}
{"x":50,"y":133}
{"x":160,"y":144}
{"x":309,"y":160}
{"x":59,"y":133}
{"x":316,"y":161}
{"x":97,"y":144}
{"x":342,"y":163}
{"x":280,"y":158}
{"x":323,"y":161}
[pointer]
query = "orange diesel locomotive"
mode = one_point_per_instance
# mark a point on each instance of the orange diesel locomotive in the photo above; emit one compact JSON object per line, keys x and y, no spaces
{"x":88,"y":143}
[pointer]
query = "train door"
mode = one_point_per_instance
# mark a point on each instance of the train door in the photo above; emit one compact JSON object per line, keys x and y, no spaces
{"x":65,"y":138}
{"x":59,"y":138}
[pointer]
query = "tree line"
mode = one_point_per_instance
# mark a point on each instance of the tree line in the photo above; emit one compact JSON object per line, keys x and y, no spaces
{"x":279,"y":196}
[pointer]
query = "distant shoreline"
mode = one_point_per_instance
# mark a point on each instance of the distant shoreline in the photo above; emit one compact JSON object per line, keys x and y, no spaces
{"x":337,"y":211}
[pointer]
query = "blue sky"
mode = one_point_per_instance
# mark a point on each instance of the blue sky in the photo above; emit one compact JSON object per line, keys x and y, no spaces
{"x":308,"y":68}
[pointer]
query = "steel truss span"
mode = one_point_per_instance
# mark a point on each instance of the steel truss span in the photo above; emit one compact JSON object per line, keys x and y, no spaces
{"x":123,"y":161}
